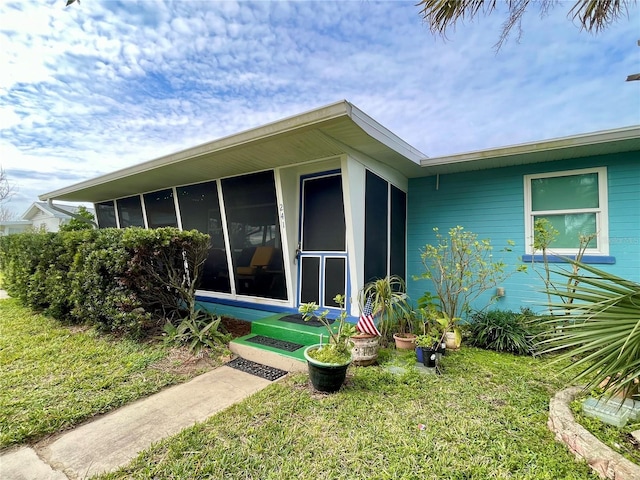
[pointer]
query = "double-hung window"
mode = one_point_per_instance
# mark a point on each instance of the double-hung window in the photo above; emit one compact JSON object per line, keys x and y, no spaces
{"x":574,"y":202}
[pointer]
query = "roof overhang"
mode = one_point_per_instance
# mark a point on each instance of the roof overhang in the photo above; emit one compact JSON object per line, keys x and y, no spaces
{"x":336,"y":129}
{"x":606,"y":142}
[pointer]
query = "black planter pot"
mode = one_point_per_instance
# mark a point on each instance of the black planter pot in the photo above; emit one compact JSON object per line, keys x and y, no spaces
{"x":325,"y":377}
{"x":429,"y":357}
{"x":441,"y":348}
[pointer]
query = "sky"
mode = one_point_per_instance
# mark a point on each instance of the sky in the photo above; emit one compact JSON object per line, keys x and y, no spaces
{"x":103,"y":85}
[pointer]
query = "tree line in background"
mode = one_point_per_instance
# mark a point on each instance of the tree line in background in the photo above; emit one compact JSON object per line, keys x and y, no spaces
{"x":7,"y":190}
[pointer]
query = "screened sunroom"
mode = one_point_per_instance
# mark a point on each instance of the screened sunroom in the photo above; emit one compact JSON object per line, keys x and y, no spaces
{"x":298,"y":210}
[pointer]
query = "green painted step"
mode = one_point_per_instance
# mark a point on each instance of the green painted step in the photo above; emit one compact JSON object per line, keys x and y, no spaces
{"x":273,"y":327}
{"x":296,"y":354}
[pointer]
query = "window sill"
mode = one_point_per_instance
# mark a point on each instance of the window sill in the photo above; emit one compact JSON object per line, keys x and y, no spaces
{"x":597,"y":259}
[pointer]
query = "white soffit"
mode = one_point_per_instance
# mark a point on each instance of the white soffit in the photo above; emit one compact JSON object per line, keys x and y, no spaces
{"x":322,"y":133}
{"x":585,"y":145}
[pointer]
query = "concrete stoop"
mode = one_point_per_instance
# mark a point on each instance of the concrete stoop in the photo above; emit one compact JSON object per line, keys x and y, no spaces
{"x":584,"y":445}
{"x":266,"y":357}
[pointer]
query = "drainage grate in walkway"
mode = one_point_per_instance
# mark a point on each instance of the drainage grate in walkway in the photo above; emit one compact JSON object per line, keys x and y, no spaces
{"x":275,"y":343}
{"x":257,"y":369}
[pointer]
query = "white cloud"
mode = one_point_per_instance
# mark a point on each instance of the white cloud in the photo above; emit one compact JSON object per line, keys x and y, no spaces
{"x":102,"y":85}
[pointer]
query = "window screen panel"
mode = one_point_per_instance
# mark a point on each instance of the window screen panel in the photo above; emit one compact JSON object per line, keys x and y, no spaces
{"x":565,"y":192}
{"x":130,"y":212}
{"x":161,"y":210}
{"x":252,"y":222}
{"x":324,"y":227}
{"x":106,"y":214}
{"x":310,"y":280}
{"x":200,"y":210}
{"x":334,"y":284}
{"x":375,"y":226}
{"x":398,"y":232}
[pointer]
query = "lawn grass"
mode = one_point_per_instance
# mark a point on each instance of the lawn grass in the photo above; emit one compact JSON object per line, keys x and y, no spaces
{"x":54,"y":376}
{"x":484,"y":418}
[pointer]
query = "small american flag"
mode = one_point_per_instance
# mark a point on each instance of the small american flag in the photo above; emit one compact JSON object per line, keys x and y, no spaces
{"x":365,"y":323}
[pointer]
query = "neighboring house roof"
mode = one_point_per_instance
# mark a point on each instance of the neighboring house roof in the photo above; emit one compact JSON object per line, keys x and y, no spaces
{"x":326,"y":132}
{"x":584,"y":145}
{"x":11,"y":223}
{"x":42,"y":207}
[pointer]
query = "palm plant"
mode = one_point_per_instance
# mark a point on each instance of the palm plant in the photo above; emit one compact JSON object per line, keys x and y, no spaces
{"x":597,"y":318}
{"x":590,"y":15}
{"x":388,"y":302}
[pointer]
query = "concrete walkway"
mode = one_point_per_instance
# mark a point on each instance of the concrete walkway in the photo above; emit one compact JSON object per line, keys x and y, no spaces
{"x":112,"y":440}
{"x":3,"y":294}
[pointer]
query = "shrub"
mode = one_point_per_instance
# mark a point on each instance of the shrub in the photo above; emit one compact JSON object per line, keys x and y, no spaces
{"x":502,"y":331}
{"x":126,"y":281}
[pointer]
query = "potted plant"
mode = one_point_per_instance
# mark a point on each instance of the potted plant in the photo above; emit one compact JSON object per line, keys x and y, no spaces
{"x":328,"y":363}
{"x":405,"y":338}
{"x":425,"y":345}
{"x":366,"y":341}
{"x":388,"y":303}
{"x":452,"y":336}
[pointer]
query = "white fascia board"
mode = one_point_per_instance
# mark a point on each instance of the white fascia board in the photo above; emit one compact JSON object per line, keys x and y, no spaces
{"x":385,"y":136}
{"x":557,"y":144}
{"x":335,"y":110}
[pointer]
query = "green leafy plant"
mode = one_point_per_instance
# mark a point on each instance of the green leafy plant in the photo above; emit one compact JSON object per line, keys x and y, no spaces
{"x":433,"y":323}
{"x":196,"y":332}
{"x":461,"y":267}
{"x":123,"y":280}
{"x":389,"y":303}
{"x":84,"y":220}
{"x":596,"y":319}
{"x":544,"y":235}
{"x":426,"y":341}
{"x":338,"y":350}
{"x":502,"y":331}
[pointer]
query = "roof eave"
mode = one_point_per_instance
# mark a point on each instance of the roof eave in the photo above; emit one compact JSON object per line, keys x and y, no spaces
{"x":318,"y":119}
{"x":611,"y":141}
{"x":279,"y":127}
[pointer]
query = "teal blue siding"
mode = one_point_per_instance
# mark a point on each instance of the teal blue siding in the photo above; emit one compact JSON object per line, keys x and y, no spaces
{"x":491,"y":204}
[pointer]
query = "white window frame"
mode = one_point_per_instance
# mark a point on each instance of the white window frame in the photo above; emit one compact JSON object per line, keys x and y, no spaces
{"x":601,"y":212}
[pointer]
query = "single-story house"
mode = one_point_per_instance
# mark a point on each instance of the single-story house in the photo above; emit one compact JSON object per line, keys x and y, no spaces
{"x":40,"y":216}
{"x":320,"y":203}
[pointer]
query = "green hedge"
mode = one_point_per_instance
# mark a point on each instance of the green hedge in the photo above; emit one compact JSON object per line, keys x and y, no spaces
{"x":109,"y":277}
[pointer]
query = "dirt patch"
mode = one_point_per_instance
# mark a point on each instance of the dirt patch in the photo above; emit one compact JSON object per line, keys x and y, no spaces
{"x":181,"y":361}
{"x":237,"y":328}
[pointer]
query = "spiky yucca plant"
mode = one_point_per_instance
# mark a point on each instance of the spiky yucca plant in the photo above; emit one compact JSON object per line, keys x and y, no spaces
{"x":597,"y":318}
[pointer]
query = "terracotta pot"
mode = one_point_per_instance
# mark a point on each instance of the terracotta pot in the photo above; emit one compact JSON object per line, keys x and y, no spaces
{"x":405,"y":341}
{"x":365,"y":349}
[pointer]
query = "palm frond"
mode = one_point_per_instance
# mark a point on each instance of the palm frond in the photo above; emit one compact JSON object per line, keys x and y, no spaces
{"x":597,"y":321}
